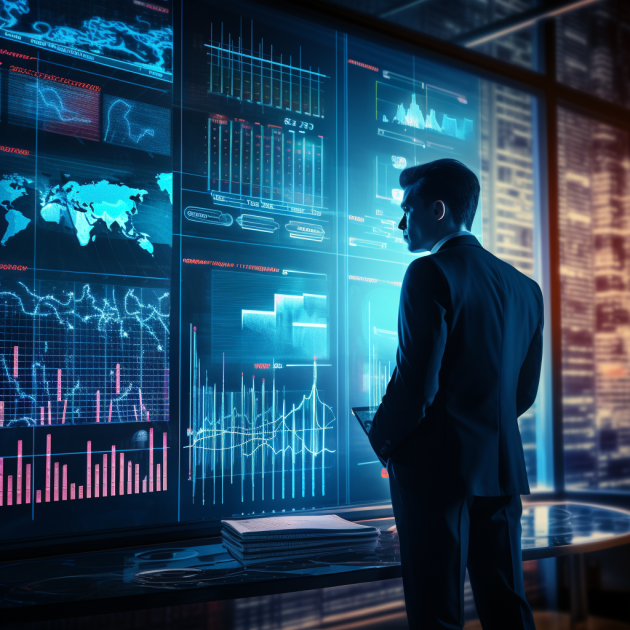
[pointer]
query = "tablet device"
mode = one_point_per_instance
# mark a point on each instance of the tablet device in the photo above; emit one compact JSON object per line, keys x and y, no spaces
{"x":365,"y":416}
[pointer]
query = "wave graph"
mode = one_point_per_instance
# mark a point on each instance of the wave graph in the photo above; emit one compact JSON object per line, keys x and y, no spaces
{"x":271,"y":444}
{"x":64,"y":109}
{"x":413,"y":117}
{"x":137,"y":125}
{"x":427,"y":108}
{"x":50,"y":98}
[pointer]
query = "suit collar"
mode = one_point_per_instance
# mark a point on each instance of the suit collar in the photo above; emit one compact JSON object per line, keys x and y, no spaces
{"x":464,"y":239}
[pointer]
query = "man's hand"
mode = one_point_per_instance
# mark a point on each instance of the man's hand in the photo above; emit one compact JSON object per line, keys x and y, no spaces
{"x":421,"y":342}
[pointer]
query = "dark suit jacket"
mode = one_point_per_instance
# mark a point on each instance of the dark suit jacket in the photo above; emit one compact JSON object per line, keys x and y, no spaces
{"x":468,"y":364}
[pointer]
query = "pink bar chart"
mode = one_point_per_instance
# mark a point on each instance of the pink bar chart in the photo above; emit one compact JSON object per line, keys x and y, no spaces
{"x":104,"y":473}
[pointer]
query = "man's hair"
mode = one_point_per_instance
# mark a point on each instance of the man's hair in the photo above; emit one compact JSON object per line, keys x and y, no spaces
{"x":449,"y":181}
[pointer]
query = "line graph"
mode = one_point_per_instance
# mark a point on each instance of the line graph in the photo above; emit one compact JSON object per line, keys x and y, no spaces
{"x":81,"y":353}
{"x":64,"y":109}
{"x":51,"y":99}
{"x":123,"y":116}
{"x":256,"y":444}
{"x":138,"y":125}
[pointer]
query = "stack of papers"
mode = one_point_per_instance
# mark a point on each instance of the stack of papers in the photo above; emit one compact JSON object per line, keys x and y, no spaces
{"x":284,"y":537}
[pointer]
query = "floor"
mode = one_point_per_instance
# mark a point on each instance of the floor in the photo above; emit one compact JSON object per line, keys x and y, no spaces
{"x":561,"y":621}
{"x":223,"y":616}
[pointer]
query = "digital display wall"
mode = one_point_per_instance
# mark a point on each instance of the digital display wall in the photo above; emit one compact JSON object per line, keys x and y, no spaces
{"x":200,"y":261}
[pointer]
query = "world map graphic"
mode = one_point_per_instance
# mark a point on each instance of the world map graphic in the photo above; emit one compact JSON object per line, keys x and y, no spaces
{"x":88,"y":210}
{"x":13,"y":187}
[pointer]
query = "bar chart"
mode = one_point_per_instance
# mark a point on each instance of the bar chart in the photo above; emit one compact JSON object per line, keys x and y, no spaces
{"x":137,"y":468}
{"x":268,"y":168}
{"x":254,"y":73}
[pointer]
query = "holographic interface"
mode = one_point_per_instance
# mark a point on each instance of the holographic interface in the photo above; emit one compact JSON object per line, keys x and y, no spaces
{"x":200,"y":264}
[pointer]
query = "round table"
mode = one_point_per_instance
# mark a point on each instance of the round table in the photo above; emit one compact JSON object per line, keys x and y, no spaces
{"x":572,"y":529}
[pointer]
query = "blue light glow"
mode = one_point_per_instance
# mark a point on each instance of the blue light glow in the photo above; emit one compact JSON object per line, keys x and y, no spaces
{"x":138,"y":44}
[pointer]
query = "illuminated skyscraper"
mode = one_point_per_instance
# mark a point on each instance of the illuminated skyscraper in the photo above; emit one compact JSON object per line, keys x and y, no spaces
{"x":595,"y":273}
{"x":591,"y":50}
{"x":595,"y":269}
{"x":577,"y":297}
{"x":508,"y":201}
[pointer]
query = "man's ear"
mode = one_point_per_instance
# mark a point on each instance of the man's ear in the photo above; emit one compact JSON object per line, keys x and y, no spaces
{"x":439,"y":209}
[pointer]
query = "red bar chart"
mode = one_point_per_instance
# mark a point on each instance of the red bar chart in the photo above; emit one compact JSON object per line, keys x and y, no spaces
{"x":104,"y":473}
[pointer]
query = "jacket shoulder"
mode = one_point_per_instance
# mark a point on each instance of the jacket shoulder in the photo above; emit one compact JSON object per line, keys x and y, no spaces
{"x":511,"y":272}
{"x":425,"y":279}
{"x":424,"y":271}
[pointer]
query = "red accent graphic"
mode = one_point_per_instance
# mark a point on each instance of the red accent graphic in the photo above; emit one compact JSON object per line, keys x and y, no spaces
{"x":19,"y":473}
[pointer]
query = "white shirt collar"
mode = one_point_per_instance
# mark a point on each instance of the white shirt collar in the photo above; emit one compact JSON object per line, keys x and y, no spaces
{"x":448,"y":237}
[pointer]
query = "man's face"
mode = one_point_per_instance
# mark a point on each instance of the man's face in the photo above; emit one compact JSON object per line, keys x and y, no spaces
{"x":418,"y":224}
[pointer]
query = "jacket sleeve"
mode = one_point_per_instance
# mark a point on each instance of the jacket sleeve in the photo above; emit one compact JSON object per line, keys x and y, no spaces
{"x":421,"y":342}
{"x":529,"y":375}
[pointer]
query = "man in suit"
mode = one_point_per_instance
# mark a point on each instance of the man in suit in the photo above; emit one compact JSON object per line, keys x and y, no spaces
{"x":468,"y":365}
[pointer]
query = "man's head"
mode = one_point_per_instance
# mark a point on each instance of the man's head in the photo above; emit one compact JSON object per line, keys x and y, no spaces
{"x":440,"y":197}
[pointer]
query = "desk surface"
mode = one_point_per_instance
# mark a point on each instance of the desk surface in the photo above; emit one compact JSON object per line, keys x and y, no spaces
{"x":202,"y":570}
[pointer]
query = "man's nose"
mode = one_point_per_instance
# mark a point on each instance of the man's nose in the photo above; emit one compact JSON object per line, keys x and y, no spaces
{"x":403,"y":223}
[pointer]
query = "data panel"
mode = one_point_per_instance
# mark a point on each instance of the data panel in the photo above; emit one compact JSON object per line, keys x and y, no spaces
{"x":259,"y":382}
{"x":260,"y":131}
{"x":86,"y":233}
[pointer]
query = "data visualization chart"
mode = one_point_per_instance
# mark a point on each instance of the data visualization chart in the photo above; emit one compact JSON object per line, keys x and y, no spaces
{"x":53,"y":106}
{"x":259,"y":385}
{"x":66,"y":479}
{"x":265,"y":150}
{"x":136,"y":37}
{"x":265,"y":183}
{"x":136,"y":125}
{"x":268,"y":168}
{"x":251,"y":72}
{"x":268,"y":442}
{"x":285,"y":316}
{"x":74,"y":353}
{"x":405,"y":107}
{"x":104,"y":473}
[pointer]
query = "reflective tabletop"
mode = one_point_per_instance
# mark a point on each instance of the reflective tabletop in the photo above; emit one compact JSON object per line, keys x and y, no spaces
{"x":202,"y":570}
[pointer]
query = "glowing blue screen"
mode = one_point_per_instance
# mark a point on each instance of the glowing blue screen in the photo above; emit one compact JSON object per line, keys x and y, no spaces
{"x":200,"y":263}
